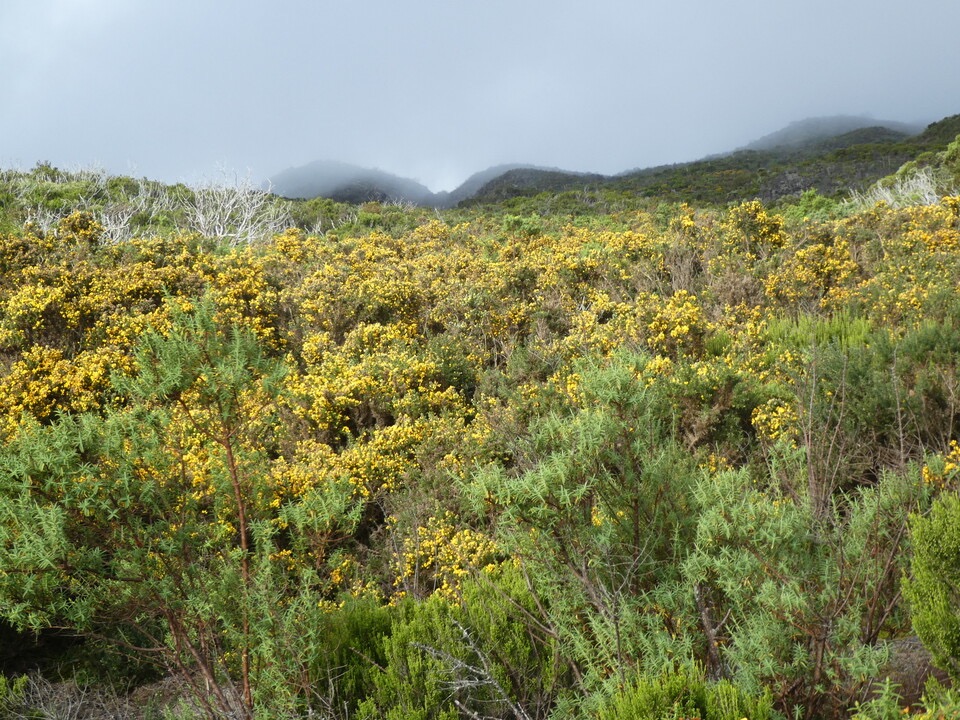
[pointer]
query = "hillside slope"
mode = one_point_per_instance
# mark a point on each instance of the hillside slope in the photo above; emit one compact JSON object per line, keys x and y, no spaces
{"x":347,"y":183}
{"x":833,"y":166}
{"x":834,"y":156}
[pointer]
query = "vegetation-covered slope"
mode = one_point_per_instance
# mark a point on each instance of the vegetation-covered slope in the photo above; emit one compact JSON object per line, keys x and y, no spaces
{"x":833,"y":156}
{"x":658,"y":462}
{"x":831,"y":166}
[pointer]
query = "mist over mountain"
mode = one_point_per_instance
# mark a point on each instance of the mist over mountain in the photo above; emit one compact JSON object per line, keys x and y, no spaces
{"x":823,"y":153}
{"x":817,"y":129}
{"x":344,"y":182}
{"x":473,"y":184}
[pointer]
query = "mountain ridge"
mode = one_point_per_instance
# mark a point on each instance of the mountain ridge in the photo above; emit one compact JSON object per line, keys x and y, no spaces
{"x":829,"y":154}
{"x":809,"y":131}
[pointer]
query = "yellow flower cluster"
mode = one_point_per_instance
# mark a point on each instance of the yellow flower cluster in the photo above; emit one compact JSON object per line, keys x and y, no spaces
{"x":293,"y":478}
{"x":943,"y":470}
{"x":80,"y":227}
{"x":44,"y":382}
{"x":438,"y":556}
{"x":751,"y":230}
{"x":714,"y":464}
{"x":678,"y":326}
{"x":776,"y":421}
{"x":244,"y":297}
{"x":817,"y":277}
{"x":658,"y":367}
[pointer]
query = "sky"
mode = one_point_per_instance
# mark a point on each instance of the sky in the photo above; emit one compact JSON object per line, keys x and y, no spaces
{"x":183,"y":90}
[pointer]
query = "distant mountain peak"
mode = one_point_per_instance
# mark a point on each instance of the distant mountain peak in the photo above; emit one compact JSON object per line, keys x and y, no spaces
{"x":354,"y":184}
{"x":785,"y":162}
{"x":348,"y":183}
{"x":802,"y":133}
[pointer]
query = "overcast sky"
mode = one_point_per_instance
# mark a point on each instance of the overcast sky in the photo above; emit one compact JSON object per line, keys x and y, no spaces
{"x":438,"y":89}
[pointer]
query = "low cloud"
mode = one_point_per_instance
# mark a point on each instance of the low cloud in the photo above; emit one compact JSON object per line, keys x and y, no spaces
{"x":436,"y":91}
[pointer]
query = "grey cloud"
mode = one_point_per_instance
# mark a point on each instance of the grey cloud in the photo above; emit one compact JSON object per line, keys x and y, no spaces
{"x":438,"y":90}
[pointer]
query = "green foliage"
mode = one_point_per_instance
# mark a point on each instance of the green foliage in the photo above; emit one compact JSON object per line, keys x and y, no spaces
{"x":885,"y":706}
{"x":445,"y":659}
{"x":811,"y":206}
{"x":940,"y":703}
{"x":684,"y":694}
{"x":933,"y":590}
{"x":502,"y":463}
{"x":805,"y":331}
{"x":950,"y":164}
{"x":798,"y":602}
{"x":599,"y":515}
{"x":157,"y":517}
{"x":319,"y":215}
{"x":527,"y":226}
{"x":348,"y":650}
{"x":12,"y":691}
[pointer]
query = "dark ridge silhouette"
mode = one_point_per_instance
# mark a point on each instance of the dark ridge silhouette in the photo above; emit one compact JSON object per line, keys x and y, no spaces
{"x":811,"y":132}
{"x":832,"y":155}
{"x":348,"y":183}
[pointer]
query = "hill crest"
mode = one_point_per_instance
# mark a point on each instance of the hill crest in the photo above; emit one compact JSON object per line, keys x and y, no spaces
{"x":830,"y":154}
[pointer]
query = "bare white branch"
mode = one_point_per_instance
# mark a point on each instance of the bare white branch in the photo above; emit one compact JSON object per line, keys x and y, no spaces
{"x":466,"y":676}
{"x":239,"y":212}
{"x":919,"y":187}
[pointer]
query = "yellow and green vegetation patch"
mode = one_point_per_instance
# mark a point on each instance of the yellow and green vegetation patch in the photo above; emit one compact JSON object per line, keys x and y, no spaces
{"x":660,"y":464}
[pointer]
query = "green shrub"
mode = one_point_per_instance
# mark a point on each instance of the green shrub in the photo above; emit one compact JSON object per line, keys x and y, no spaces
{"x":939,"y":702}
{"x":12,"y":691}
{"x":933,"y":591}
{"x":811,"y":206}
{"x":685,"y":694}
{"x":600,"y":521}
{"x":529,"y":226}
{"x":885,"y":706}
{"x":478,"y":656}
{"x":800,"y":602}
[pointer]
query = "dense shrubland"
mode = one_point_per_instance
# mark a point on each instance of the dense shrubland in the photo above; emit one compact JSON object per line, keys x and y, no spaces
{"x":636,"y":461}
